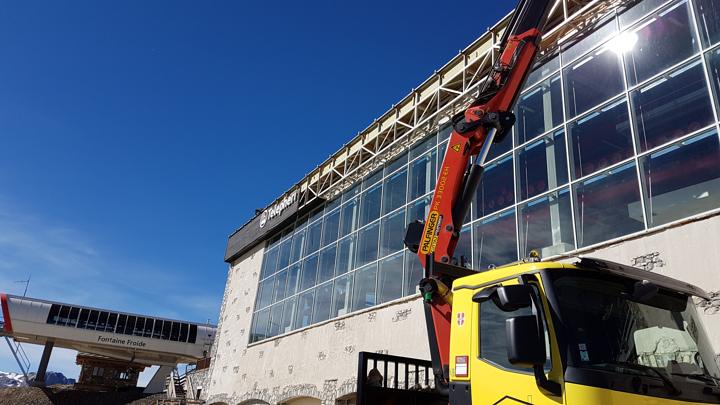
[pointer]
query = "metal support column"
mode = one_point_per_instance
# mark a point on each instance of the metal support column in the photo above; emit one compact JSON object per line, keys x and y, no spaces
{"x":42,"y":368}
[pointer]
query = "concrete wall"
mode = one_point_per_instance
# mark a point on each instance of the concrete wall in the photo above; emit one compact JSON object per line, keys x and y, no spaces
{"x":320,"y":362}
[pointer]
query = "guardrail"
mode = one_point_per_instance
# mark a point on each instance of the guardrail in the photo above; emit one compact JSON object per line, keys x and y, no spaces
{"x":388,"y":379}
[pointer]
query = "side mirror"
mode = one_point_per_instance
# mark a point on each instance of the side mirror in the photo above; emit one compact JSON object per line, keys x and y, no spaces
{"x":508,"y":298}
{"x":525,"y":346}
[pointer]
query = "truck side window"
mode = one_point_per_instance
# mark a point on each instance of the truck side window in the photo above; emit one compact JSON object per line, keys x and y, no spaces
{"x":493,"y":340}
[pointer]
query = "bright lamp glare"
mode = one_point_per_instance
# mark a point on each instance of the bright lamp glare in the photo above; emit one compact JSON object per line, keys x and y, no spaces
{"x":624,"y":42}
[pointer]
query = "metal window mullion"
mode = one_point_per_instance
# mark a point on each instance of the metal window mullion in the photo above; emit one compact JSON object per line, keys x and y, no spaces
{"x":568,"y":156}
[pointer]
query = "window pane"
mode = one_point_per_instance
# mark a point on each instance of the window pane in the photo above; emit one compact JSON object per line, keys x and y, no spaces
{"x":713,"y":60}
{"x":543,"y":71}
{"x":463,"y":250}
{"x":276,"y":313}
{"x":600,"y":139}
{"x":157,"y":329}
{"x":400,"y":161}
{"x":332,"y":204}
{"x":73,"y":317}
{"x":260,"y":326}
{"x":280,"y":283}
{"x":413,"y":273}
{"x":392,"y":233}
{"x":112,"y":320}
{"x":493,"y":339}
{"x":140,"y":327}
{"x":63,"y":316}
{"x":372,"y":179}
{"x":341,"y":295}
{"x":546,"y":225}
{"x":92,"y":321}
{"x":102,"y":321}
{"x":423,"y":147}
{"x":591,"y":80}
{"x":293,"y":278}
{"x":608,"y":206}
{"x":265,"y":293}
{"x":390,"y":278}
{"x":288,"y":315}
{"x":269,"y":263}
{"x":495,"y":241}
{"x":370,"y":205}
{"x":183,"y":330}
{"x":129,"y":326}
{"x":542,"y":165}
{"x":331,"y":227}
{"x":120,"y":328}
{"x":350,"y":193}
{"x":309,"y":272}
{"x":345,"y":255}
{"x":708,"y":13}
{"x":349,"y":217}
{"x":496,"y":190}
{"x":422,"y":175}
{"x":638,"y":11}
{"x":303,"y":314}
{"x":53,"y":315}
{"x":284,"y":253}
{"x":682,"y":179}
{"x":297,"y":245}
{"x":312,"y":243}
{"x":149,"y":329}
{"x":539,"y":110}
{"x":323,"y":299}
{"x":367,"y":247}
{"x":315,"y":214}
{"x":664,"y":40}
{"x":674,"y":105}
{"x":192,"y":335}
{"x":418,"y":210}
{"x":166,"y":330}
{"x":596,"y":37}
{"x":497,"y":149}
{"x":364,"y":289}
{"x":327,"y":264}
{"x":394,"y":190}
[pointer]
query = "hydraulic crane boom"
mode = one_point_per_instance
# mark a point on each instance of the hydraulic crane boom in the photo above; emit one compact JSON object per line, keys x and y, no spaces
{"x":488,"y":119}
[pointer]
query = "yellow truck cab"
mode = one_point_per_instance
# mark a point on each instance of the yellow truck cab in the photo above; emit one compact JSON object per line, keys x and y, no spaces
{"x":582,"y":333}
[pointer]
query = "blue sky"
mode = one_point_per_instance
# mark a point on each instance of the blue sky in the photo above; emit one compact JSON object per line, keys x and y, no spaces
{"x":135,"y":136}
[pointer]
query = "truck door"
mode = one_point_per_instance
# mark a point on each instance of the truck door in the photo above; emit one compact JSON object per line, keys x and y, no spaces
{"x":493,"y":379}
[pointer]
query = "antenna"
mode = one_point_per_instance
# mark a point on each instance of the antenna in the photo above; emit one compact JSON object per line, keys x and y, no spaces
{"x":27,"y":284}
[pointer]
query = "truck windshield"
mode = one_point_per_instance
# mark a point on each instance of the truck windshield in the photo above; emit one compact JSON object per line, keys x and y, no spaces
{"x":609,"y":328}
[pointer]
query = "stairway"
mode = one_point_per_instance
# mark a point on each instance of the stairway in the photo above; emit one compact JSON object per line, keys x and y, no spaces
{"x":175,"y":389}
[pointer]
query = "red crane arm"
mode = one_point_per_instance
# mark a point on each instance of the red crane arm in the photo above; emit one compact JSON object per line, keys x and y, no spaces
{"x":487,"y":120}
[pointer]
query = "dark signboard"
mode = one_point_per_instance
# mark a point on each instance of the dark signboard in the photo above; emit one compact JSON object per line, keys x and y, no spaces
{"x":281,"y":213}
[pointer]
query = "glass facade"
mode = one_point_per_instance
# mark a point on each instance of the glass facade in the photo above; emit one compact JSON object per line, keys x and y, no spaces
{"x":615,"y":135}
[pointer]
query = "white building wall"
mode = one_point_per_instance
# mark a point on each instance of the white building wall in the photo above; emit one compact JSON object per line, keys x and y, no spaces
{"x":321,"y":361}
{"x":318,"y":362}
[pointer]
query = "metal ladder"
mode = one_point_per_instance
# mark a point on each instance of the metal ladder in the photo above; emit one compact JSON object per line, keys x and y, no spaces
{"x":20,"y":356}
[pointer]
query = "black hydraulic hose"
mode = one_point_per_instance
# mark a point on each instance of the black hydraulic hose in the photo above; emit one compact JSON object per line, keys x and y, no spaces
{"x":462,"y":206}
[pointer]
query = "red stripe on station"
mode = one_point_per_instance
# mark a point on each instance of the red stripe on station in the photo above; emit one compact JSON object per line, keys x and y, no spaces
{"x":6,"y":313}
